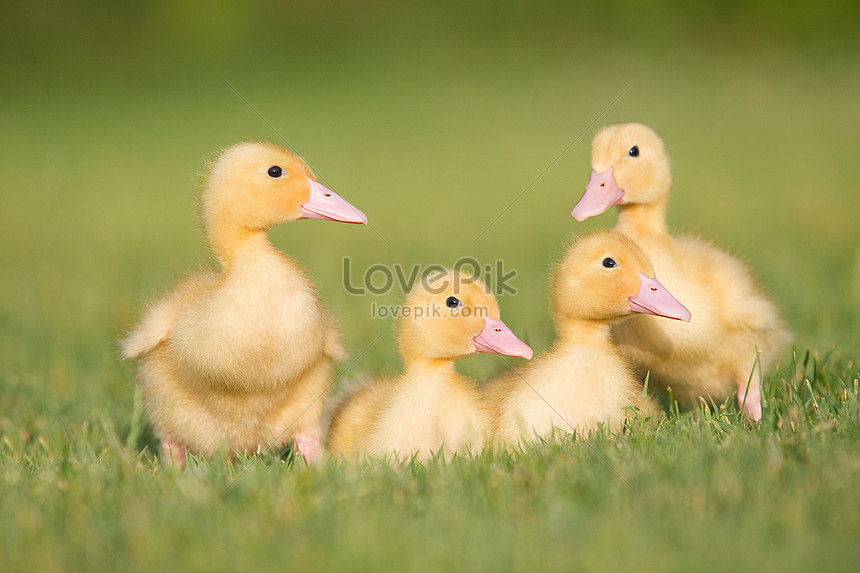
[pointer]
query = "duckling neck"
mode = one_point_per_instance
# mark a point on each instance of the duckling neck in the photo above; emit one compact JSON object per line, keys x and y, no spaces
{"x":578,"y":332}
{"x":436,"y":367}
{"x":642,"y":219}
{"x":228,"y":245}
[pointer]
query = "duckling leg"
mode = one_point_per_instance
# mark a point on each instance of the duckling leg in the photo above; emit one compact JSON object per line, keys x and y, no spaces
{"x":308,"y":447}
{"x":172,"y":453}
{"x":749,"y":398}
{"x":752,"y":404}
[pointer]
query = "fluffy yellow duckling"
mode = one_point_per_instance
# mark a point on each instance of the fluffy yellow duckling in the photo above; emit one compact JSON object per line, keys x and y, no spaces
{"x":713,"y":355}
{"x":430,"y":406}
{"x":583,"y":381}
{"x":238,"y":358}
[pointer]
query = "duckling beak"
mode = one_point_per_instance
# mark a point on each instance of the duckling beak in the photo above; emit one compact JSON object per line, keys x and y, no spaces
{"x":497,"y":338}
{"x":600,"y":194}
{"x":653,"y":298}
{"x":327,"y":205}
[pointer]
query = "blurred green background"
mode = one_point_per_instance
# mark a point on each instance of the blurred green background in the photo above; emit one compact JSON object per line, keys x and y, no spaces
{"x":432,"y":118}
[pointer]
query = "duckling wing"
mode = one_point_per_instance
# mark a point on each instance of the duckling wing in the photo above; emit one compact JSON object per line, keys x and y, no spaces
{"x":731,"y":289}
{"x":161,"y":317}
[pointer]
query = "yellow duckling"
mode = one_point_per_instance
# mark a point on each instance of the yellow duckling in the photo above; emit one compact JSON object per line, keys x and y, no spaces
{"x":239,"y":358}
{"x":430,"y":406}
{"x":713,"y":355}
{"x":583,"y":381}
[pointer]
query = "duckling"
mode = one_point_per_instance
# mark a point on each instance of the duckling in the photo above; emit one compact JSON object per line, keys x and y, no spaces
{"x":429,"y":407}
{"x":583,"y":381}
{"x":238,"y":358}
{"x":714,"y":355}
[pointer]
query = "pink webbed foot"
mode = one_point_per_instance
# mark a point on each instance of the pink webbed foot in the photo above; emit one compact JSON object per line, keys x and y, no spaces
{"x":308,"y":448}
{"x":172,"y":454}
{"x":752,"y":404}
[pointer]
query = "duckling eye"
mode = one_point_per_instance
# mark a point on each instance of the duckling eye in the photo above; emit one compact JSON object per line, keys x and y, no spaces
{"x":275,"y":171}
{"x":609,"y":263}
{"x":453,"y":302}
{"x":634,"y":151}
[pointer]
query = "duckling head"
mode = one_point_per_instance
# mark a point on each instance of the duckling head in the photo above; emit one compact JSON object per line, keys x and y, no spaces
{"x":605,"y":276}
{"x":449,"y":315}
{"x":254,"y":186}
{"x":629,"y":165}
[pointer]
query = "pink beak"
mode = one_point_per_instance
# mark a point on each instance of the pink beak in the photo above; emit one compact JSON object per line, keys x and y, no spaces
{"x":653,"y":298}
{"x":327,"y":205}
{"x":497,"y":338}
{"x":600,"y":194}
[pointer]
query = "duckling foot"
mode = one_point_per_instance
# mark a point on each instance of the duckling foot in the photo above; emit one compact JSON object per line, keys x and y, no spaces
{"x":752,"y":404}
{"x":307,"y":447}
{"x":172,"y":453}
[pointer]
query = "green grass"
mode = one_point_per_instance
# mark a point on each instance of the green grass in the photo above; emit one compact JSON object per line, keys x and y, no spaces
{"x":432,"y":121}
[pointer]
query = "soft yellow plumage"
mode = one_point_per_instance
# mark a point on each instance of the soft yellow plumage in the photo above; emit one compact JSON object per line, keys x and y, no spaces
{"x":713,"y":355}
{"x":239,"y":359}
{"x":583,"y":381}
{"x":430,"y":407}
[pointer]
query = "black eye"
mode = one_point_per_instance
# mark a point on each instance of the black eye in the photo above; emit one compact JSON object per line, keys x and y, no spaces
{"x":452,"y":302}
{"x":634,"y":151}
{"x":275,"y":171}
{"x":609,"y":263}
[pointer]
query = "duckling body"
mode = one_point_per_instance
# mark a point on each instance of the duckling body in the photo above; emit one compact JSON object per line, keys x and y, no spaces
{"x":575,"y":387}
{"x":354,"y":417}
{"x":427,"y":409}
{"x":712,"y":356}
{"x":238,"y":359}
{"x":583,"y":381}
{"x":430,"y":407}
